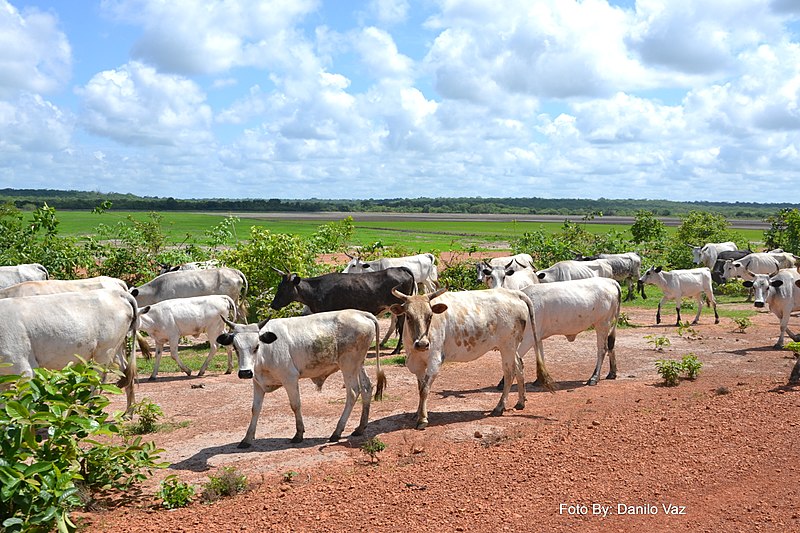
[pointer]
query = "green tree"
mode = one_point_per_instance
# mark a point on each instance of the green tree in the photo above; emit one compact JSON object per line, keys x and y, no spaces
{"x":784,"y":231}
{"x":647,"y":228}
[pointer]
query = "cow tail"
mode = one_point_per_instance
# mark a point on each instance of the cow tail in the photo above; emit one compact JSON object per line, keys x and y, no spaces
{"x":612,"y":334}
{"x":381,"y":384}
{"x":541,"y":369}
{"x":129,"y":373}
{"x":143,"y":346}
{"x":231,"y":308}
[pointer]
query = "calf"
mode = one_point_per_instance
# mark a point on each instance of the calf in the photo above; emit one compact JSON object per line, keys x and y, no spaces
{"x":312,"y":346}
{"x":679,"y":284}
{"x":462,"y":326}
{"x":780,"y":293}
{"x":169,"y":320}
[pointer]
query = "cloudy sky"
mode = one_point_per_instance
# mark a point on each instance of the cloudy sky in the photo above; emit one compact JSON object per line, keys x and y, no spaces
{"x":661,"y":99}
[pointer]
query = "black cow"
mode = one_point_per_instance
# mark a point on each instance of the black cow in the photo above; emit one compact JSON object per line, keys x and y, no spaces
{"x":367,"y":291}
{"x":716,"y":272}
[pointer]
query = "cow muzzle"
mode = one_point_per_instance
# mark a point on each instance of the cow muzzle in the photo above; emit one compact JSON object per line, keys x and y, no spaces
{"x":758,"y":304}
{"x":245,"y":374}
{"x":422,"y":344}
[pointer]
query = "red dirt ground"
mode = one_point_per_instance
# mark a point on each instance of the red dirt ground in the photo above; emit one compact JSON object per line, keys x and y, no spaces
{"x":721,"y":451}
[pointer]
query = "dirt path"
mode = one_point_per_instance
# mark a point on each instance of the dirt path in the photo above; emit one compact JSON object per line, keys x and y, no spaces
{"x":721,"y":451}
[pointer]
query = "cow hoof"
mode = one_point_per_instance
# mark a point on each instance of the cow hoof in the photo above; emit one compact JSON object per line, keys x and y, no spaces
{"x":497,"y":412}
{"x":201,"y":374}
{"x":244,"y":445}
{"x":334,"y":438}
{"x":611,"y":376}
{"x":501,"y":384}
{"x":229,"y":371}
{"x":592,"y":381}
{"x":422,"y":425}
{"x":778,"y":346}
{"x":538,"y":382}
{"x":357,"y":432}
{"x":297,"y":439}
{"x":151,"y":378}
{"x":695,"y":322}
{"x":520,"y":406}
{"x":188,"y":372}
{"x":716,"y":321}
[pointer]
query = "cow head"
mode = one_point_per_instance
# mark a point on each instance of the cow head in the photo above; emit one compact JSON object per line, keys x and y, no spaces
{"x":286,"y":292}
{"x":761,"y":284}
{"x":244,"y":338}
{"x":646,"y":278}
{"x":419,"y":312}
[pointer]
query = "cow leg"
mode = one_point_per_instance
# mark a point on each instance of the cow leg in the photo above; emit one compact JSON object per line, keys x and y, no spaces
{"x":173,"y":351}
{"x":612,"y":354}
{"x":366,"y":398}
{"x":601,"y":353}
{"x":699,"y":309}
{"x":794,"y":378}
{"x":784,"y":327}
{"x":512,"y":367}
{"x":230,"y":359}
{"x":658,"y":312}
{"x":255,"y":411}
{"x":424,"y":385}
{"x":157,"y":363}
{"x":352,"y":390}
{"x":630,"y":296}
{"x":390,"y":329}
{"x":293,"y":391}
{"x":212,"y":350}
{"x":713,"y":302}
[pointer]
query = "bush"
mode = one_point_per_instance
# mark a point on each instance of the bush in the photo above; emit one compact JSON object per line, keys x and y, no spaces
{"x":226,"y":482}
{"x":670,"y":369}
{"x":149,"y":414}
{"x":373,"y":447}
{"x":175,"y":493}
{"x":691,"y":366}
{"x":460,"y":276}
{"x":48,"y":451}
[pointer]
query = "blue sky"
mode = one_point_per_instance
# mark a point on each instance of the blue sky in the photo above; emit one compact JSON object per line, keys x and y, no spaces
{"x":660,"y":99}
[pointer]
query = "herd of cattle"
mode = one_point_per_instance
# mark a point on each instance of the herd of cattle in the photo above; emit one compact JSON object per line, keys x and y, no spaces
{"x":47,"y":322}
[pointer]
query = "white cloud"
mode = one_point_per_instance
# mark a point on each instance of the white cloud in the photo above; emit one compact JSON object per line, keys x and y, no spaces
{"x":35,"y":55}
{"x":33,"y":124}
{"x":380,"y":56}
{"x":388,"y":12}
{"x":137,"y":105}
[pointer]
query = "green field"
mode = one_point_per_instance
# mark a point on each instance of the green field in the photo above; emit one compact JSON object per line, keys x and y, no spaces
{"x":423,"y":236}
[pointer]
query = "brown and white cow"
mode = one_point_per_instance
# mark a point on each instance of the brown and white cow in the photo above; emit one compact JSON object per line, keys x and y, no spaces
{"x":460,"y":327}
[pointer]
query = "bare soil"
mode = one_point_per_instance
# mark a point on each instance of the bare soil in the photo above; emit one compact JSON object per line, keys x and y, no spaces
{"x":716,"y":454}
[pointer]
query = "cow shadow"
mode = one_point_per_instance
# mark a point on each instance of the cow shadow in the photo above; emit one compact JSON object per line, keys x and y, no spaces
{"x":529,"y":387}
{"x":743,"y":352}
{"x":194,"y":378}
{"x":199,"y":462}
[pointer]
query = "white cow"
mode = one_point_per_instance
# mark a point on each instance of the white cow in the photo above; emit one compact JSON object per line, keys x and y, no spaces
{"x":194,"y":265}
{"x":568,"y":270}
{"x":780,"y":293}
{"x":756,"y":263}
{"x":56,"y":286}
{"x":49,"y":330}
{"x":707,"y":254}
{"x":679,"y":284}
{"x":187,"y":283}
{"x":460,"y":327}
{"x":516,"y":262}
{"x":9,"y":275}
{"x":312,"y":346}
{"x":169,"y":320}
{"x":508,"y":276}
{"x":626,"y":268}
{"x":569,"y":308}
{"x":422,"y":266}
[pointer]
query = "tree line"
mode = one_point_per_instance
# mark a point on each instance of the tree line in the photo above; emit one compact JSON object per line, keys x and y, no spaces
{"x":31,"y":199}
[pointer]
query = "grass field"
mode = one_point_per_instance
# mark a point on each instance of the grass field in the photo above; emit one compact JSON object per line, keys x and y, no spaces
{"x":423,"y":236}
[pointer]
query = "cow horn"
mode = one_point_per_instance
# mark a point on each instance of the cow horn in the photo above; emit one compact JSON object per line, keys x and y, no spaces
{"x":350,"y":256}
{"x":399,"y":294}
{"x":509,"y":264}
{"x":517,"y":261}
{"x":281,"y":272}
{"x":227,"y":322}
{"x":437,"y":293}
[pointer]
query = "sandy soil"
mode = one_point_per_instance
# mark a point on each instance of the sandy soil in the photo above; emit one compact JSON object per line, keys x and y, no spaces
{"x":716,"y":454}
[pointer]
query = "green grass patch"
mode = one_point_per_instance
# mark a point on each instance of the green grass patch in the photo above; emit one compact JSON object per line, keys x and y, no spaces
{"x":192,"y":356}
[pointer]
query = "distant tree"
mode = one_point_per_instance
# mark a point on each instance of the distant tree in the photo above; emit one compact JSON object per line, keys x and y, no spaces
{"x":647,"y":228}
{"x":784,"y":231}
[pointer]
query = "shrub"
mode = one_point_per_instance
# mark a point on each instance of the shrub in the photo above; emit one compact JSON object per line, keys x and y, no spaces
{"x":149,"y":414}
{"x":373,"y":447}
{"x":40,"y":476}
{"x":460,"y":276}
{"x":670,"y":370}
{"x":742,"y":323}
{"x":226,"y":482}
{"x":658,"y":341}
{"x":691,"y":366}
{"x":175,"y":493}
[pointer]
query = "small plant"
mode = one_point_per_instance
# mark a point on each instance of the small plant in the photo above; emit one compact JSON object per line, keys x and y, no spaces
{"x":624,"y":320}
{"x":175,"y":493}
{"x":372,"y":447}
{"x":289,"y":476}
{"x":670,"y":370}
{"x":691,"y":365}
{"x":686,"y":329}
{"x":794,"y":347}
{"x":226,"y":482}
{"x":742,"y":323}
{"x":149,"y":414}
{"x":659,"y":342}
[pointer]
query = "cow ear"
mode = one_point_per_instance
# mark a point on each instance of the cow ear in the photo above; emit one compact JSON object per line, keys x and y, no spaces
{"x":439,"y":308}
{"x":510,"y":272}
{"x":541,"y":275}
{"x":134,"y":292}
{"x":747,"y":284}
{"x":367,"y":265}
{"x":397,"y":309}
{"x":777,"y":283}
{"x":487,"y":272}
{"x":657,"y":270}
{"x":295,"y":279}
{"x":797,"y":282}
{"x":143,"y":310}
{"x":268,"y":337}
{"x":226,"y":339}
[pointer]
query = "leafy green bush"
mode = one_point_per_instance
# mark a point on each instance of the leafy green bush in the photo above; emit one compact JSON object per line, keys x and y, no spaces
{"x":373,"y":447}
{"x":460,"y":276}
{"x":226,"y":482}
{"x":742,"y":323}
{"x":659,"y":342}
{"x":47,"y":425}
{"x":149,"y":414}
{"x":670,"y":370}
{"x":175,"y":493}
{"x":691,"y":366}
